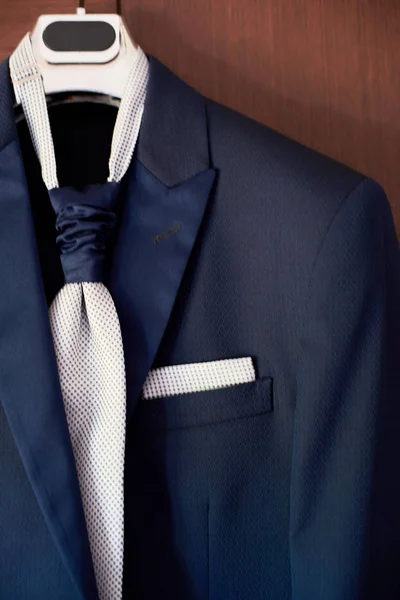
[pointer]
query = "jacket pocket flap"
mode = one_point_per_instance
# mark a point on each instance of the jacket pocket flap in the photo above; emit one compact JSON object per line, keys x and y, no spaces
{"x":213,"y":406}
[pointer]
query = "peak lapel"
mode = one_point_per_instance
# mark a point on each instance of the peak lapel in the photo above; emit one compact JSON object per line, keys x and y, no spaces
{"x":168,"y":190}
{"x":29,"y":384}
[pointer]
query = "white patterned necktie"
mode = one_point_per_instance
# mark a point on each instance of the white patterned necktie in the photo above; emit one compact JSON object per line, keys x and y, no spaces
{"x":83,"y":317}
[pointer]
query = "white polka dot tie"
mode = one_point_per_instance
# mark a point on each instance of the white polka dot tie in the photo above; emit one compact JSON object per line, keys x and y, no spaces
{"x":90,"y":358}
{"x":84,"y":321}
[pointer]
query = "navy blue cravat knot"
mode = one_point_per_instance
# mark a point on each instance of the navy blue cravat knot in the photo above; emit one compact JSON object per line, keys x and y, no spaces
{"x":85,"y":221}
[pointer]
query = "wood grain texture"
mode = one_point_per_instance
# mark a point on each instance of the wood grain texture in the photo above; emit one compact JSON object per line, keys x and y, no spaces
{"x":324,"y":72}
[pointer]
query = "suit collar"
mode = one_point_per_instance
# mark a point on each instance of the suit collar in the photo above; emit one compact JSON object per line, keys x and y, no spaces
{"x":173,"y":139}
{"x":8,"y":130}
{"x":173,"y":143}
{"x":168,"y":187}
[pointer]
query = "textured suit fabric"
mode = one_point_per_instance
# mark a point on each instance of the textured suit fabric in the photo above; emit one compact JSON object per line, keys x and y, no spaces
{"x":286,"y":488}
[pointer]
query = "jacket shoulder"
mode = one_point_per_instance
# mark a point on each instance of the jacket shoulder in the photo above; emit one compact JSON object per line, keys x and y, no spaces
{"x":292,"y":189}
{"x":242,"y":145}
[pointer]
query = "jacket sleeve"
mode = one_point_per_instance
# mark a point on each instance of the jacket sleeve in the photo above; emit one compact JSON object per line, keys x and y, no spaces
{"x":345,"y":487}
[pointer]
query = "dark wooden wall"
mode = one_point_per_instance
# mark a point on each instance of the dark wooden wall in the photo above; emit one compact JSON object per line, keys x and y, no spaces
{"x":325,"y":72}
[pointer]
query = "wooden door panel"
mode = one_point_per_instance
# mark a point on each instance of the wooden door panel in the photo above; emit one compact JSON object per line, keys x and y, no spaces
{"x":322,"y":72}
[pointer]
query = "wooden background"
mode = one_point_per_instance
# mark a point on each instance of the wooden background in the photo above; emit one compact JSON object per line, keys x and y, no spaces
{"x":325,"y":72}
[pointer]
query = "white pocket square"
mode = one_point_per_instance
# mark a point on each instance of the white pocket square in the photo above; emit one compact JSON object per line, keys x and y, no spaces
{"x":198,"y":377}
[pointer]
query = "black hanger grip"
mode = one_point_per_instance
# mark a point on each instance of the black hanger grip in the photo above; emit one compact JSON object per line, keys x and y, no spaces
{"x":79,"y":36}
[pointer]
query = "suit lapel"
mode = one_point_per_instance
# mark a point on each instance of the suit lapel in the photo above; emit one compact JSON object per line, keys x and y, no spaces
{"x":158,"y":231}
{"x":168,"y":186}
{"x":29,"y":384}
{"x":168,"y":190}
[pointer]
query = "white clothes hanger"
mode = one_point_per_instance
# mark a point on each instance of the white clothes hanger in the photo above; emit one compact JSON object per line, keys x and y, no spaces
{"x":30,"y":73}
{"x":84,"y":57}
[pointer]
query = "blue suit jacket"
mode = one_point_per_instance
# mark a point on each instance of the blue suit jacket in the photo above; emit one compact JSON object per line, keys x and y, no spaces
{"x":286,"y":488}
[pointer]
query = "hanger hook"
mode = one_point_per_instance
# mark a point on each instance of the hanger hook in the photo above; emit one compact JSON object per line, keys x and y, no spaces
{"x":81,"y":9}
{"x":118,"y":3}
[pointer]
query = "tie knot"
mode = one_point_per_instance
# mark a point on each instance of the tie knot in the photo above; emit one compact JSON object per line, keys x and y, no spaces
{"x":85,"y":220}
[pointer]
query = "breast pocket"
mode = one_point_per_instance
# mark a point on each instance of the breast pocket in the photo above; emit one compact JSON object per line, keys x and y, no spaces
{"x":207,"y":407}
